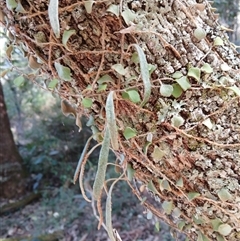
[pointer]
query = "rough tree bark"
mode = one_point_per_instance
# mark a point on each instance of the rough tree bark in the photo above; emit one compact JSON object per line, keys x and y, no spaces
{"x":179,"y":129}
{"x":12,"y":173}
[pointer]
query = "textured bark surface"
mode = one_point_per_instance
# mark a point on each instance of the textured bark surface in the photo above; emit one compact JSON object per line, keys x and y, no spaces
{"x":201,"y":155}
{"x":11,"y":179}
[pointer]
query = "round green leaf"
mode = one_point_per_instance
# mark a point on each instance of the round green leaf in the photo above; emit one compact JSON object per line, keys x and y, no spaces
{"x":125,"y":96}
{"x":192,"y":195}
{"x":218,"y":41}
{"x":151,"y":68}
{"x":177,"y":75}
{"x":119,"y":69}
{"x":134,"y":96}
{"x":135,"y":58}
{"x":225,"y":229}
{"x":176,"y":212}
{"x":52,"y":84}
{"x":88,"y":6}
{"x":102,"y":87}
{"x":158,"y":153}
{"x":87,"y":102}
{"x":224,"y":195}
{"x":63,"y":72}
{"x":177,"y":90}
{"x":105,"y":79}
{"x":181,"y":225}
{"x":207,"y":68}
{"x":19,"y":81}
{"x":216,"y":223}
{"x":166,"y":90}
{"x":177,"y":121}
{"x":128,"y":16}
{"x":164,"y":185}
{"x":113,"y":9}
{"x":199,"y":33}
{"x":184,"y":83}
{"x":195,"y":73}
{"x":167,"y":207}
{"x":129,"y":133}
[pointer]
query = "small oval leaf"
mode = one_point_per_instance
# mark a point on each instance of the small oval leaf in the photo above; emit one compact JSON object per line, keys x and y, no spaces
{"x":105,"y":79}
{"x":177,"y":75}
{"x":216,"y":223}
{"x":134,"y":96}
{"x":19,"y":81}
{"x":194,"y":73}
{"x":177,"y":90}
{"x":87,"y":102}
{"x":113,"y":9}
{"x":218,"y":41}
{"x":199,"y":33}
{"x":66,"y":36}
{"x":129,"y":133}
{"x":192,"y":195}
{"x":166,"y":90}
{"x":119,"y":69}
{"x":224,"y":195}
{"x":158,"y":154}
{"x":167,"y":207}
{"x":88,"y":6}
{"x":177,"y":121}
{"x":184,"y":83}
{"x":225,"y":229}
{"x":52,"y":84}
{"x":164,"y":185}
{"x":128,"y":16}
{"x":207,"y":68}
{"x":63,"y":72}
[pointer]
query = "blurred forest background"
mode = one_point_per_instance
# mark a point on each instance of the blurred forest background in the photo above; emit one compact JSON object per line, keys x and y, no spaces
{"x":50,"y":145}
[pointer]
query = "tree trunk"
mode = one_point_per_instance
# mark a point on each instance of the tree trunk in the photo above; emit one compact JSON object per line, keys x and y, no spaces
{"x":177,"y":115}
{"x":12,"y":183}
